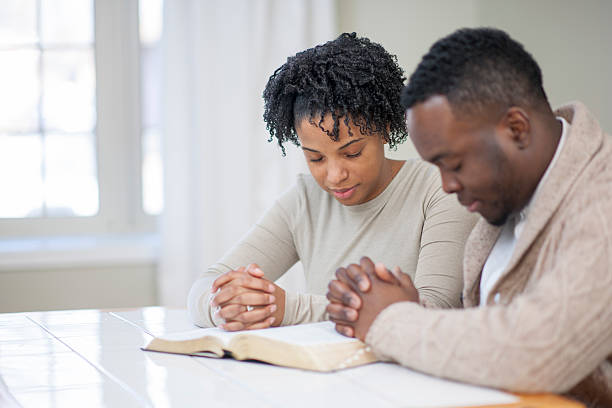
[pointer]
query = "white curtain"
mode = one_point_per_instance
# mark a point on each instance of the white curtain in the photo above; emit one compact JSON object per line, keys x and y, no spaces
{"x":220,"y":174}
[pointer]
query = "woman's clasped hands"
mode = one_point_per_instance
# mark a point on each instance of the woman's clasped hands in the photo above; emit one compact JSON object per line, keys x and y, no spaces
{"x":243,"y":299}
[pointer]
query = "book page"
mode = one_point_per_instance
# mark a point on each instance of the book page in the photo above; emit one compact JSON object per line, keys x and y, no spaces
{"x":312,"y":346}
{"x":220,"y":334}
{"x":304,"y":334}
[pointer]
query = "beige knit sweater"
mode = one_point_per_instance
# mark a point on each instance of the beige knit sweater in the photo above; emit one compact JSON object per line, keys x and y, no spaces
{"x":412,"y":223}
{"x":552,"y":328}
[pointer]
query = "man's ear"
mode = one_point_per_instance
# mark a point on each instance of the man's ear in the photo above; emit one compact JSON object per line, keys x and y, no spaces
{"x":517,"y":126}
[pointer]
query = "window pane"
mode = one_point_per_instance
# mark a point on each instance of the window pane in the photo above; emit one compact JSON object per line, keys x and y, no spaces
{"x":151,"y":28}
{"x":20,"y":176}
{"x":69,"y":90}
{"x":20,"y":87}
{"x":67,"y":22}
{"x":151,"y":86}
{"x":152,"y":172}
{"x":151,"y":21}
{"x":71,"y":186}
{"x":18,"y":22}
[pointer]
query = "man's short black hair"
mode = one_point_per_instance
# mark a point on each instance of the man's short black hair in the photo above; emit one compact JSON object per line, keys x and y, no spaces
{"x":476,"y":69}
{"x":351,"y":78}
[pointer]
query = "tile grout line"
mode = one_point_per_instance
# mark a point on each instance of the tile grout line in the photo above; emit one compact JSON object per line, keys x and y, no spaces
{"x":131,"y":323}
{"x":234,"y":381}
{"x":224,"y":375}
{"x":350,"y":379}
{"x":104,"y":372}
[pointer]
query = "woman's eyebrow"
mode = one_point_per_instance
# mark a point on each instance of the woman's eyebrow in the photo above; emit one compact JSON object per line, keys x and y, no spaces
{"x":340,"y":148}
{"x":350,"y":143}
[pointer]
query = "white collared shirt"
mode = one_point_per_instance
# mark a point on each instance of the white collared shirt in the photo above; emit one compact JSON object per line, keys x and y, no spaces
{"x":501,"y":253}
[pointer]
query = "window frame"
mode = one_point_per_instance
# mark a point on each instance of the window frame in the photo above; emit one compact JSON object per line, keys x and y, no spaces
{"x":117,"y":135}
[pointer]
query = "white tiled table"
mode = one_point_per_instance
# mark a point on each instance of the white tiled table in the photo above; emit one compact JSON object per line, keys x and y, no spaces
{"x":92,"y":358}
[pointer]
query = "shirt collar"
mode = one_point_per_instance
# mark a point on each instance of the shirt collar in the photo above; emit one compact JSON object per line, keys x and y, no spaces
{"x":519,"y":219}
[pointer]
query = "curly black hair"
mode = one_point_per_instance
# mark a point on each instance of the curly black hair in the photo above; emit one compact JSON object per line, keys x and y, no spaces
{"x":351,"y":78}
{"x":476,"y":69}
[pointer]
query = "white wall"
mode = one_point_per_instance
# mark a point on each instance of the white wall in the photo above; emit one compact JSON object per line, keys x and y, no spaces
{"x":55,"y":288}
{"x":570,"y":40}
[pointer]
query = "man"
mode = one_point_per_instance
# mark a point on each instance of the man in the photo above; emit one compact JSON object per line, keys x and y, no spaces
{"x":537,"y":291}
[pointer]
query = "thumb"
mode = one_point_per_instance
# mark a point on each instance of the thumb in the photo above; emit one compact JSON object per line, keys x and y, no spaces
{"x":384,"y":274}
{"x":406,"y":282}
{"x":255,"y":271}
{"x":404,"y":278}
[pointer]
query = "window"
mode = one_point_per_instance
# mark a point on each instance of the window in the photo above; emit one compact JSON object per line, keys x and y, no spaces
{"x":151,"y":25}
{"x":72,"y":159}
{"x":47,"y":130}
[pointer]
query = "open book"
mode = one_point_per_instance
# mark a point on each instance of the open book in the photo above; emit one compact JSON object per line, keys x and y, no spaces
{"x":313,"y":346}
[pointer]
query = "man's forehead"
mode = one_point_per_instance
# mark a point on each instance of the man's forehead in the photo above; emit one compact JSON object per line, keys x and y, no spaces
{"x":430,"y":118}
{"x":433,"y":128}
{"x":430,"y":110}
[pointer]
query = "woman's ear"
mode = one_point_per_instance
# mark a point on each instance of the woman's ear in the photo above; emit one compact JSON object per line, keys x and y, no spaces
{"x":385,"y":140}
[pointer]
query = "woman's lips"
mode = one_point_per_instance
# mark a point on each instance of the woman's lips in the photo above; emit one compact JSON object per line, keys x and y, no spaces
{"x":344,"y":193}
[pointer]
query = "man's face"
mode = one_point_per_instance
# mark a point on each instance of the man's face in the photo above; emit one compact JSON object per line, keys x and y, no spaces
{"x":470,"y":154}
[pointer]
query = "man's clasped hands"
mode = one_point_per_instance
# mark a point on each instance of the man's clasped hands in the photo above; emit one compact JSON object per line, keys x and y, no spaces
{"x":244,"y":299}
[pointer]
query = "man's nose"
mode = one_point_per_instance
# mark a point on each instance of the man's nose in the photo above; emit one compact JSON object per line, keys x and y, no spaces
{"x":450,"y":184}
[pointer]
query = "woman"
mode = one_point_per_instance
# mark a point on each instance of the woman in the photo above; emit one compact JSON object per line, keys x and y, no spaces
{"x":340,"y":103}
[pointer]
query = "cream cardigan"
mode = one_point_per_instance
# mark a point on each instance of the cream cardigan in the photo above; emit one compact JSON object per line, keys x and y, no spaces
{"x":552,"y":328}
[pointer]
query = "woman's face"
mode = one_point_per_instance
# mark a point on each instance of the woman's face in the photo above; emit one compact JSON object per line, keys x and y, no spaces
{"x":353,"y":169}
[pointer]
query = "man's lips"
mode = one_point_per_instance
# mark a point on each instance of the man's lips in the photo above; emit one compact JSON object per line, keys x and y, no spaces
{"x":472,"y":206}
{"x":343,"y":193}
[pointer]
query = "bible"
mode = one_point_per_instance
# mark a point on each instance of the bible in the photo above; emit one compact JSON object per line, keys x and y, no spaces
{"x":312,"y":346}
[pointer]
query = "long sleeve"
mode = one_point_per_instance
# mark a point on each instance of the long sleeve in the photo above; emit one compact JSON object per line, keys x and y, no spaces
{"x":412,"y":224}
{"x":304,"y":308}
{"x":446,"y":226}
{"x":269,"y":243}
{"x":545,"y":339}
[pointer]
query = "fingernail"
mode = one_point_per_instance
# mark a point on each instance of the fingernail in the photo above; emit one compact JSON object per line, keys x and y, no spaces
{"x":354,"y":303}
{"x":352,"y":315}
{"x":271,"y":288}
{"x":273,"y":308}
{"x":272,"y":298}
{"x":363,"y":285}
{"x":272,"y":319}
